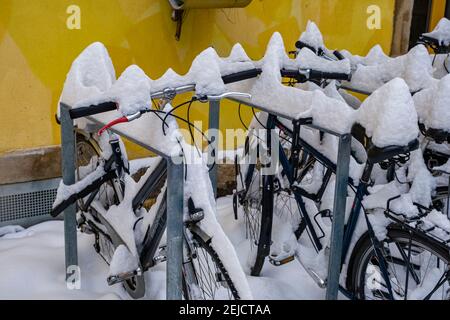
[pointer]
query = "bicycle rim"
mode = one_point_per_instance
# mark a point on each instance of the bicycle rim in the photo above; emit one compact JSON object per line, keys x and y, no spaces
{"x":428,"y":271}
{"x":205,"y":277}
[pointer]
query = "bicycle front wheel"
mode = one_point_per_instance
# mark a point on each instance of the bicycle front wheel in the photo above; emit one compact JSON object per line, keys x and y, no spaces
{"x":204,"y":274}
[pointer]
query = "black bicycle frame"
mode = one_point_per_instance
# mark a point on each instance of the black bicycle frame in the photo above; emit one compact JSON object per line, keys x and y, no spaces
{"x":361,"y":191}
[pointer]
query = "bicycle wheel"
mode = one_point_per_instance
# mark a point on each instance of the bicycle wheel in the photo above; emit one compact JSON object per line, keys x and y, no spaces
{"x":428,"y":275}
{"x":87,"y":154}
{"x":204,"y":275}
{"x":257,"y":216}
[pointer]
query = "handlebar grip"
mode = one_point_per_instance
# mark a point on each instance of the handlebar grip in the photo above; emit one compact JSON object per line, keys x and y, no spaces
{"x":300,"y":45}
{"x":240,"y":76}
{"x":318,"y":75}
{"x":338,"y":55}
{"x":93,"y":109}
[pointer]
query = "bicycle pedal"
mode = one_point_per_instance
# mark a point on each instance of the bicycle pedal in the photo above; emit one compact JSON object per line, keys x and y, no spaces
{"x":121,"y":277}
{"x":281,"y":259}
{"x":84,"y":228}
{"x":162,"y":255}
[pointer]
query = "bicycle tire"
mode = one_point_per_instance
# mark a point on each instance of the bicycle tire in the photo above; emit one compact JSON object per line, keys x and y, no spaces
{"x":199,"y":292}
{"x":361,"y":255}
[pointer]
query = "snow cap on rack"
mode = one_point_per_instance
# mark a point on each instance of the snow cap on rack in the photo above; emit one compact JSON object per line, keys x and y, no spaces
{"x":441,"y":32}
{"x":131,"y":91}
{"x":312,"y":36}
{"x":432,"y":105}
{"x":389,"y":116}
{"x":92,"y":73}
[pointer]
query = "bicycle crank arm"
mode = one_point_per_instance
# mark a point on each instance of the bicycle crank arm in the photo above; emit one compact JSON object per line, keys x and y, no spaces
{"x":322,"y":283}
{"x":121,"y":277}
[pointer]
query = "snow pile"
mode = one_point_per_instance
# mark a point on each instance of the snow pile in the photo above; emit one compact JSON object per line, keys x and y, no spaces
{"x":91,"y":74}
{"x":66,"y":191}
{"x":441,"y":32}
{"x":432,"y":105}
{"x":375,"y":56}
{"x":131,"y":92}
{"x":269,"y":93}
{"x":312,"y":37}
{"x":122,"y":218}
{"x":198,"y":187}
{"x":415,"y":68}
{"x":388,"y":115}
{"x":206,"y":73}
{"x":10,"y":231}
{"x":306,"y":59}
{"x":418,"y":69}
{"x":122,"y":261}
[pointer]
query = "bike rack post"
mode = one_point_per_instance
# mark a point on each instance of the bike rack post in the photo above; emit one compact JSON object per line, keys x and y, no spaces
{"x":175,"y":208}
{"x":337,"y":231}
{"x":214,"y":118}
{"x":68,"y":177}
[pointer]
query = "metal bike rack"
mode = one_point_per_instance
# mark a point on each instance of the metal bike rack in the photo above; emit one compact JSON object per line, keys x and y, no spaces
{"x":213,"y":124}
{"x":175,"y":202}
{"x":340,"y":199}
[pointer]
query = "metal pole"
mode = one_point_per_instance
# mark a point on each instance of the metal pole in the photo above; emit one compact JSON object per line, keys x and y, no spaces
{"x":447,"y":9}
{"x":68,"y":177}
{"x":337,"y":231}
{"x":175,"y":203}
{"x":214,"y":118}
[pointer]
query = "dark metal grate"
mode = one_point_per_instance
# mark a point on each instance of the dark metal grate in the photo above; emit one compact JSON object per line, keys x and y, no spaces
{"x":25,"y":205}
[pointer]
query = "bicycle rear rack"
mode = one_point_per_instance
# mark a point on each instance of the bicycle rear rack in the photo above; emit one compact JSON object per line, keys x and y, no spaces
{"x":418,"y":224}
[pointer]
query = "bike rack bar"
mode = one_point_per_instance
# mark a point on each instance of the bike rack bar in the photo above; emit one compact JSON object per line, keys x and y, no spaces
{"x":214,"y":120}
{"x":68,"y":177}
{"x":337,"y":229}
{"x":175,"y":203}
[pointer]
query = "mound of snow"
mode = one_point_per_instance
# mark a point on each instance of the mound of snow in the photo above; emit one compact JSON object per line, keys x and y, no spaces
{"x":441,"y":32}
{"x":388,"y":115}
{"x":432,"y":105}
{"x":312,"y":36}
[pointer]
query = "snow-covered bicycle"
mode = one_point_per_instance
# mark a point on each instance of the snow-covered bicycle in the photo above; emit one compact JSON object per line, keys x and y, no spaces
{"x":112,"y":204}
{"x":399,"y":253}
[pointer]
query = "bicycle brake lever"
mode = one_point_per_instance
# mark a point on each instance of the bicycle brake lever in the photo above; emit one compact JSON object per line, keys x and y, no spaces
{"x":229,"y":95}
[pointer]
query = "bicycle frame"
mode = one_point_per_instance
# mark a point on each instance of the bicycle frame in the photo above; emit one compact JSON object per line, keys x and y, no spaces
{"x":289,"y":167}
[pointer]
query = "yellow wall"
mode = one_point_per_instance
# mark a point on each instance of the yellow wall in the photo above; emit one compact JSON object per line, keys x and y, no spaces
{"x":36,"y":48}
{"x":437,"y":12}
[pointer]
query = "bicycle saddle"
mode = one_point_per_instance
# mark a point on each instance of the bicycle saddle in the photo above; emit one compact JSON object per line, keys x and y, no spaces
{"x":376,"y":154}
{"x":435,"y":44}
{"x":437,"y":135}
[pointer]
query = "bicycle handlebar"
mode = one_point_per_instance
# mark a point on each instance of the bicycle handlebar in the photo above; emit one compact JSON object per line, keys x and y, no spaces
{"x":310,"y":74}
{"x":166,"y":93}
{"x":434,"y":43}
{"x":93,"y":109}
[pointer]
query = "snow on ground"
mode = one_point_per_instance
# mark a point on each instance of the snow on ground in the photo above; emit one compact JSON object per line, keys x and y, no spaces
{"x":32,"y":266}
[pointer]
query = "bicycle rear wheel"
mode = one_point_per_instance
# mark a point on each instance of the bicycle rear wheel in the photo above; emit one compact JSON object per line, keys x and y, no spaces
{"x":427,"y":277}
